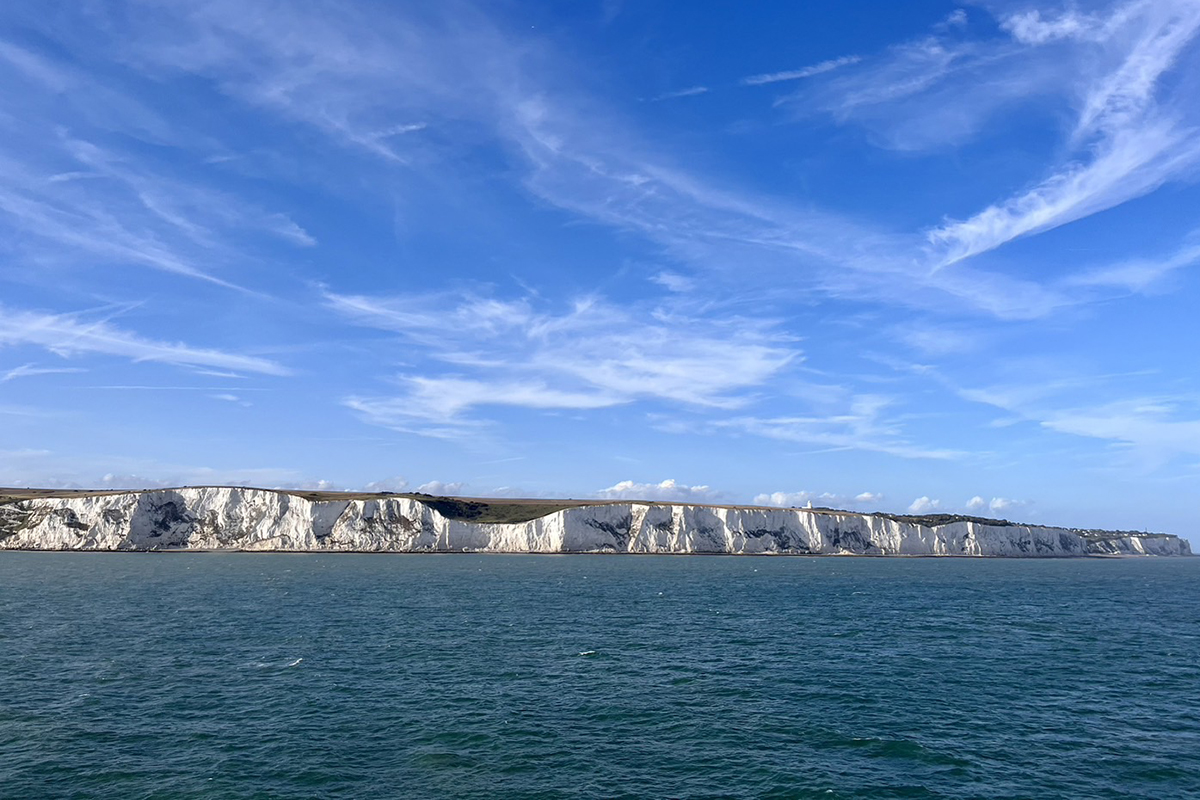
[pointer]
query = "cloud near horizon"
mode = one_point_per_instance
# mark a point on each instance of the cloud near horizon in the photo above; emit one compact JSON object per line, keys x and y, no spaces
{"x":826,"y":499}
{"x":668,"y":490}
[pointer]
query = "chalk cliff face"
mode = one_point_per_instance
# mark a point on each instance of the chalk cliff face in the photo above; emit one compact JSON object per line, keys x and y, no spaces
{"x":255,"y":519}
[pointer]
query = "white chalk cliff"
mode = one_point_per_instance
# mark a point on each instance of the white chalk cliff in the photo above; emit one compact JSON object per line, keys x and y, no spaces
{"x":211,"y":518}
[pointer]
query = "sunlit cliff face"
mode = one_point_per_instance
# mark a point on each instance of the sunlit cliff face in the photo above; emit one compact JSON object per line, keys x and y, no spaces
{"x":256,"y":519}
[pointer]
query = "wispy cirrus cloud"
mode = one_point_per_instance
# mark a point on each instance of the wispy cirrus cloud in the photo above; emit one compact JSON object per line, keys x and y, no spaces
{"x":1139,"y":274}
{"x":713,"y":365}
{"x":328,"y":70}
{"x":93,"y":180}
{"x":592,"y":354}
{"x":323,"y":67}
{"x":863,"y":426}
{"x":71,"y":334}
{"x":437,"y":406}
{"x":1161,"y":427}
{"x":30,"y":370}
{"x":919,"y":95}
{"x":691,"y":91}
{"x":350,"y":78}
{"x":1134,"y":136}
{"x":797,"y":74}
{"x":599,"y":176}
{"x":1133,"y":130}
{"x":1154,"y":428}
{"x":115,"y":212}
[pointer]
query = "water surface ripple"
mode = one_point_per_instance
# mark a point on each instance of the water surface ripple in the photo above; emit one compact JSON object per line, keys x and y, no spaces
{"x":271,"y":675}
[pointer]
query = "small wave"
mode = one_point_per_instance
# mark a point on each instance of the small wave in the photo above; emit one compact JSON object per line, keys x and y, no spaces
{"x":588,"y":653}
{"x":903,"y":749}
{"x":276,"y":664}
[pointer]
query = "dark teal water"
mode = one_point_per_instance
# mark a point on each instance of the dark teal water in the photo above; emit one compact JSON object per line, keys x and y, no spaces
{"x":203,"y":675}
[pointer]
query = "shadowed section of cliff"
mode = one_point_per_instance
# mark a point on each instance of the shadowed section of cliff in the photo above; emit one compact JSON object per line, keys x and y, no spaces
{"x":238,"y":518}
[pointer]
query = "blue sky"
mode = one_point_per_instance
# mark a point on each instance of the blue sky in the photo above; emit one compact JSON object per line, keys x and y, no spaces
{"x":877,"y":255}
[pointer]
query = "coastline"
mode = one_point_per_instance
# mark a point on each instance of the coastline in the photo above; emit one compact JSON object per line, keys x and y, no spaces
{"x":238,"y":519}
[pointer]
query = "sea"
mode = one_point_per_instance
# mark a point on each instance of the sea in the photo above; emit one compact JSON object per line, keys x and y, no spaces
{"x":237,"y":675}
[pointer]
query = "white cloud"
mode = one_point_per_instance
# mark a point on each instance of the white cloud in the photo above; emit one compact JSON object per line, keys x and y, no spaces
{"x":668,"y":490}
{"x":933,"y":339}
{"x":208,"y":477}
{"x":68,"y":334}
{"x":899,"y":94}
{"x":50,"y":76}
{"x":804,"y":72}
{"x":613,"y":180}
{"x":860,"y":423}
{"x":1131,"y":163}
{"x":576,"y":152}
{"x":318,"y":485}
{"x":369,"y":84}
{"x":30,"y":370}
{"x":286,"y":228}
{"x":1132,"y":144}
{"x":996,"y":505}
{"x":1002,"y":504}
{"x":822,"y":499}
{"x":786,"y":498}
{"x":1134,"y":131}
{"x":442,"y":489}
{"x":1158,"y":428}
{"x":924,"y":505}
{"x":216,"y":373}
{"x":396,"y":484}
{"x":400,"y":130}
{"x":689,"y":92}
{"x":27,"y":452}
{"x":1138,"y":274}
{"x":1030,"y":28}
{"x":674,"y":282}
{"x":83,"y":471}
{"x":117,"y":481}
{"x":596,"y":355}
{"x":354,"y":78}
{"x":435,"y":406}
{"x":591,"y":355}
{"x":127,"y":212}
